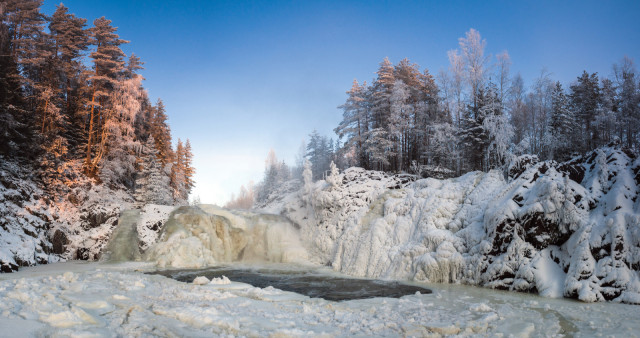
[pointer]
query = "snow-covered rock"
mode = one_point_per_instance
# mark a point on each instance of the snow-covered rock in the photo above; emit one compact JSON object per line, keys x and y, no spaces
{"x":559,"y":229}
{"x":36,"y":228}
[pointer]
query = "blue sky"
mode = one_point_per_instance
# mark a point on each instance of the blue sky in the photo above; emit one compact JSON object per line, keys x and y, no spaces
{"x":241,"y":77}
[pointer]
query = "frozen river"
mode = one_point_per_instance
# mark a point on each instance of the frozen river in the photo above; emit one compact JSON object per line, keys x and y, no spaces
{"x":119,"y":299}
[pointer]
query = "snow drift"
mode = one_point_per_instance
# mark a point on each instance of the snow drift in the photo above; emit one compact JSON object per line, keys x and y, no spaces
{"x":558,"y":229}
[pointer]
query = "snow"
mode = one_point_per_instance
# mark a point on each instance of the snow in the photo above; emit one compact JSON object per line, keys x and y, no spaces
{"x":106,"y":300}
{"x":220,"y":280}
{"x":152,"y":218}
{"x":548,"y":275}
{"x":201,"y":280}
{"x":558,"y":229}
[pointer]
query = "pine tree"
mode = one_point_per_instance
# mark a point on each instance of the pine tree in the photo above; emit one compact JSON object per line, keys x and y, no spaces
{"x":178,"y":178}
{"x":355,"y":122}
{"x":70,"y":40}
{"x":629,"y":95}
{"x":585,"y":96}
{"x":107,"y":65}
{"x":118,"y":143}
{"x":189,"y":170}
{"x":152,"y":184}
{"x":161,"y":133}
{"x":562,"y":125}
{"x":381,"y":110}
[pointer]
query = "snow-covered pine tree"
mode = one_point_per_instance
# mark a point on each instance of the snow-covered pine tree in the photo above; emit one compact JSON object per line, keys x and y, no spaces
{"x":562,"y":125}
{"x":189,"y":170}
{"x":118,"y":159}
{"x":585,"y":96}
{"x":70,"y":41}
{"x":355,"y":122}
{"x":178,"y":178}
{"x":152,"y":184}
{"x":629,"y":95}
{"x":334,"y":176}
{"x":319,"y":153}
{"x":307,"y":183}
{"x":161,"y":133}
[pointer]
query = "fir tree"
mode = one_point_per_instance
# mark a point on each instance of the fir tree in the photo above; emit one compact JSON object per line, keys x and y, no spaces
{"x":585,"y":96}
{"x":107,"y":65}
{"x":562,"y":124}
{"x":152,"y":184}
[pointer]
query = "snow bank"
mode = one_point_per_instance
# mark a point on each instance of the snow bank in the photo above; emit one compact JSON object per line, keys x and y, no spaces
{"x":558,"y":229}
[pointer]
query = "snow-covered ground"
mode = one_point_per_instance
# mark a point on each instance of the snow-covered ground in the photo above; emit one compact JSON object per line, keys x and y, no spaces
{"x":88,"y":299}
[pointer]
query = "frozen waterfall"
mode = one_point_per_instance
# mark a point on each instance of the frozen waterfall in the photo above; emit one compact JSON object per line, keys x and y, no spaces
{"x":198,"y":236}
{"x":123,"y":245}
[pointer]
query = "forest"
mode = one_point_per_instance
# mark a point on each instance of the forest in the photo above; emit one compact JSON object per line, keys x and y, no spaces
{"x":475,"y":115}
{"x":73,"y":107}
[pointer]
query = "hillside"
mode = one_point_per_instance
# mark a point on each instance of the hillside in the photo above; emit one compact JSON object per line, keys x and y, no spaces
{"x":38,"y":227}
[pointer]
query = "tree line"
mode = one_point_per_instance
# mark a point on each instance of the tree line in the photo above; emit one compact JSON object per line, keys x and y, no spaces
{"x":476,"y":116}
{"x":71,"y":98}
{"x":473,"y":116}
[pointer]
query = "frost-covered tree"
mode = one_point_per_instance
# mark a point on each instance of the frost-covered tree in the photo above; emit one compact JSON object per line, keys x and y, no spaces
{"x":161,"y":133}
{"x":307,"y":182}
{"x":319,"y":153}
{"x":334,"y":178}
{"x":629,"y":95}
{"x":275,"y":174}
{"x":400,"y":122}
{"x":244,"y":200}
{"x":118,"y":144}
{"x":476,"y":63}
{"x":585,"y":96}
{"x":152,"y":183}
{"x":502,"y":74}
{"x":355,"y":122}
{"x":562,"y":124}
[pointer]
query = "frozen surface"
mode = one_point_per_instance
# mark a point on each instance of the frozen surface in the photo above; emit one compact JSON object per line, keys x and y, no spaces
{"x":116,"y":300}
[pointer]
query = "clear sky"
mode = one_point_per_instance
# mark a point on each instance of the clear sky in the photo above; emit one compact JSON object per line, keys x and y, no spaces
{"x":241,"y":77}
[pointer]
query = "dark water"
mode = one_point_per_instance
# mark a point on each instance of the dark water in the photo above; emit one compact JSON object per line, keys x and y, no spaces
{"x":307,"y":282}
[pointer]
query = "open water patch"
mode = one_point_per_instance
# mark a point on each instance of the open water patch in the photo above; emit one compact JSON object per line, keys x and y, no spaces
{"x":311,"y":283}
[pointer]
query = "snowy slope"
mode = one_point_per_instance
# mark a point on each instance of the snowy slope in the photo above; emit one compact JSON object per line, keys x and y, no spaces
{"x":24,"y":220}
{"x":559,"y":229}
{"x":37,"y":230}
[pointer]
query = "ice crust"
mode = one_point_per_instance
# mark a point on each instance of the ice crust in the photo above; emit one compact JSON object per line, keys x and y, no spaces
{"x":94,"y":299}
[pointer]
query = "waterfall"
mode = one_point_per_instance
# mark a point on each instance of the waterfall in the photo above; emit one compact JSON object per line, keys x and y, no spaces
{"x":123,"y":245}
{"x":205,"y":235}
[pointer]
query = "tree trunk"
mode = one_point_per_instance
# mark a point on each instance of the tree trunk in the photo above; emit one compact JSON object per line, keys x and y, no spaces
{"x":89,"y":141}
